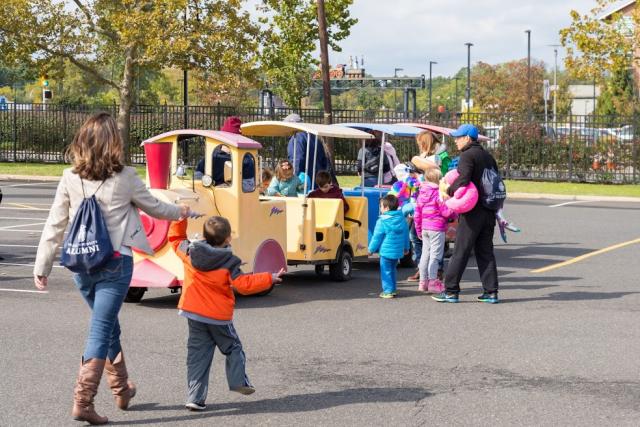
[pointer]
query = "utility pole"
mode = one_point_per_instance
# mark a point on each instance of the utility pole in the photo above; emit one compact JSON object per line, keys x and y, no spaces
{"x":324,"y":63}
{"x":468,"y":91}
{"x":529,"y":72}
{"x":430,"y":68}
{"x":455,"y":101}
{"x":185,"y":77}
{"x":395,"y":102}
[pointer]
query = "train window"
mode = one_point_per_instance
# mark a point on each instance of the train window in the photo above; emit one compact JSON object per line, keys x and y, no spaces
{"x":248,"y":173}
{"x":221,"y":166}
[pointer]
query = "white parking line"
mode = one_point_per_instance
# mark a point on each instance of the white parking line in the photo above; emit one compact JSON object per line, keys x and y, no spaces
{"x":24,"y":231}
{"x":25,"y":265}
{"x":32,"y":183}
{"x":23,"y":218}
{"x":569,"y":203}
{"x":24,"y":209}
{"x":29,"y":203}
{"x":24,"y":290}
{"x":21,"y":225}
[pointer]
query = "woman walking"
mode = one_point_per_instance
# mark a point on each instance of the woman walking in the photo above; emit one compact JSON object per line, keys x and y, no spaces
{"x":97,"y":158}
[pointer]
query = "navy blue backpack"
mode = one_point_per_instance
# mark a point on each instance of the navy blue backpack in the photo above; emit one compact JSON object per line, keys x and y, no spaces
{"x":493,"y":191}
{"x":87,"y":247}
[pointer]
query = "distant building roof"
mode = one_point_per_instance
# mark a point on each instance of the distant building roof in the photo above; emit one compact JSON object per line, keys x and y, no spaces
{"x":615,"y":7}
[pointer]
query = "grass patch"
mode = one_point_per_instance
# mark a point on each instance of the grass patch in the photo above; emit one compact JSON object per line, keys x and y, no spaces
{"x":43,"y":169}
{"x":562,"y":188}
{"x":573,"y":189}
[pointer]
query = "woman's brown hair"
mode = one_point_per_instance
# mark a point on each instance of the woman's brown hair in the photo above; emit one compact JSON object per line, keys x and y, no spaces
{"x":427,"y":142}
{"x":97,"y":151}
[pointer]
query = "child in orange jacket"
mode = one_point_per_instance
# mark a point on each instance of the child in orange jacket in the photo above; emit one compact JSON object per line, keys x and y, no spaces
{"x":207,"y":301}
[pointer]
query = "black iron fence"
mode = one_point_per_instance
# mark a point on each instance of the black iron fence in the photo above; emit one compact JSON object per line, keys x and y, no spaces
{"x":571,"y":148}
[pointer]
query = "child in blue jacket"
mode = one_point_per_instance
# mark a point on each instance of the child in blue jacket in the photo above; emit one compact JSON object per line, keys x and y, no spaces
{"x":391,"y":240}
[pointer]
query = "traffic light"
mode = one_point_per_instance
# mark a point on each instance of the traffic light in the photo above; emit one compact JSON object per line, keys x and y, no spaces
{"x":45,"y":80}
{"x":48,"y":94}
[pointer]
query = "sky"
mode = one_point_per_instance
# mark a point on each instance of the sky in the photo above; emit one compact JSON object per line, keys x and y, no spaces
{"x":409,"y":33}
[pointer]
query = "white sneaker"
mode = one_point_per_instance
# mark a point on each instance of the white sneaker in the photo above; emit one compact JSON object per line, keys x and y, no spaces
{"x":245,"y":389}
{"x":194,"y":406}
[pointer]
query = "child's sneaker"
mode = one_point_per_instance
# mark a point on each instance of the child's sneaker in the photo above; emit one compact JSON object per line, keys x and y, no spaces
{"x":445,"y":297}
{"x":423,"y":286}
{"x":386,"y":295}
{"x":245,"y":389}
{"x":501,"y":227}
{"x":435,"y":286}
{"x":196,"y":406}
{"x":512,"y":227}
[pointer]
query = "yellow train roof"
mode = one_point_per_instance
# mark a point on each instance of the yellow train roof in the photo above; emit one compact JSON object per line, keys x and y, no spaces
{"x":277,"y":128}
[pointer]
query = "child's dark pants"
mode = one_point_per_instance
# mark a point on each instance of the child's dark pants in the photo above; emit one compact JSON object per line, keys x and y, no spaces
{"x":203,"y":339}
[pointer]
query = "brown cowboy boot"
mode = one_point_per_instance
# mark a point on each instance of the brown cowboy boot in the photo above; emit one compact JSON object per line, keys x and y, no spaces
{"x":123,"y":390}
{"x":85,"y":390}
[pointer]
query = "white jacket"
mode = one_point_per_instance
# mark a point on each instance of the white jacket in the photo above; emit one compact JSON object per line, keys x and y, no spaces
{"x":119,"y":197}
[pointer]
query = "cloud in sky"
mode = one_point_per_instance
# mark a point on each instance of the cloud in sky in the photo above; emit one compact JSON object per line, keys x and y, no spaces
{"x":409,"y":33}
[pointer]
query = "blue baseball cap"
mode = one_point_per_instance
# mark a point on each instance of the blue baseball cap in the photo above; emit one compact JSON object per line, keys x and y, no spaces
{"x":466,"y":130}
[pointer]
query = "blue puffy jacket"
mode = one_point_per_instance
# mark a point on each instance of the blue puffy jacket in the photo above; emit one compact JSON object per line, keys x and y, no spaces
{"x":391,"y":235}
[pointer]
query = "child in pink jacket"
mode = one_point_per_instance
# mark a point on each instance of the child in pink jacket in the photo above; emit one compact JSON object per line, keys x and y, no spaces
{"x":430,"y":218}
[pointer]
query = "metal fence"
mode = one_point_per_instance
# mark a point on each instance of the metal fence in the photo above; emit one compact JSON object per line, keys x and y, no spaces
{"x":571,"y":148}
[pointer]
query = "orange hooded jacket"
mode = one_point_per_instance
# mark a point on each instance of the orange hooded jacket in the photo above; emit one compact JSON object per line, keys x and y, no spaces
{"x":209,"y":275}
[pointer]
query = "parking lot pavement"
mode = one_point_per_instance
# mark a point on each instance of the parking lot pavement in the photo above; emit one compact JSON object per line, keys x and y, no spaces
{"x":561,"y":349}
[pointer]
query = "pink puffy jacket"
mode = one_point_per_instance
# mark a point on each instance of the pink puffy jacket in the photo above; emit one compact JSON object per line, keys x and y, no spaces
{"x":431,"y":213}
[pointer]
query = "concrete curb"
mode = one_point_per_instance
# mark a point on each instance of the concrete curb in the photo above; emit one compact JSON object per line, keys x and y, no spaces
{"x":521,"y":196}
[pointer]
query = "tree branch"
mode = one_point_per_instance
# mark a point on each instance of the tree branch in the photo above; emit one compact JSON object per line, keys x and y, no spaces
{"x":60,"y":53}
{"x":111,"y":35}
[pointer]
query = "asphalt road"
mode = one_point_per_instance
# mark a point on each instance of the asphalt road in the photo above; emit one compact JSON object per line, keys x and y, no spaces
{"x":563,"y":347}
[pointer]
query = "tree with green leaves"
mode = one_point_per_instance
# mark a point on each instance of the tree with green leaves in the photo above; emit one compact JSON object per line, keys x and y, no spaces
{"x":503,"y":87}
{"x":616,"y":98}
{"x":112,"y":40}
{"x":287,"y":59}
{"x":599,"y":47}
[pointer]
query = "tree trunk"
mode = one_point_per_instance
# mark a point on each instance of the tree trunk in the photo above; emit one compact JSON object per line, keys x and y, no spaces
{"x":326,"y":79}
{"x":126,"y":100}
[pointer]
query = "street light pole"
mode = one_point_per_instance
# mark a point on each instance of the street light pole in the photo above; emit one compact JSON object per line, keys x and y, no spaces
{"x":555,"y":83}
{"x":529,"y":72}
{"x":468,"y":94}
{"x":430,"y":68}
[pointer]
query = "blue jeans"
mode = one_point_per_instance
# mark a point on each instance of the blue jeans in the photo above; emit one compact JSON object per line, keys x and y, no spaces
{"x":416,"y":243}
{"x":388,"y":274}
{"x":104,"y":292}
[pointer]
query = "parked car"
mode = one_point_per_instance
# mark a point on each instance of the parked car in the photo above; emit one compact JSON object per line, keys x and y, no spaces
{"x":625,"y":133}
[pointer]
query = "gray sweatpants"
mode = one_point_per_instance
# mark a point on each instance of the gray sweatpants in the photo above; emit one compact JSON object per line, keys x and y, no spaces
{"x":432,"y":252}
{"x":203,"y":339}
